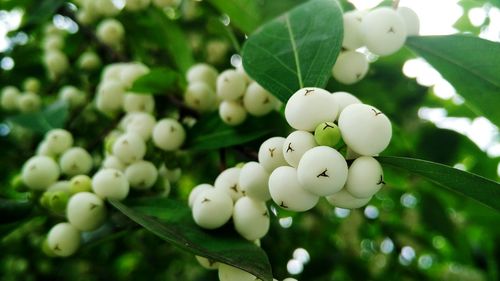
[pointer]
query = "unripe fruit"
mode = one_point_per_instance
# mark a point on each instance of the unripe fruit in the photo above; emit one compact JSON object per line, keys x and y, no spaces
{"x":207,"y":263}
{"x":110,"y":32}
{"x":230,"y":85}
{"x":232,"y":112}
{"x":112,"y":162}
{"x":129,"y":148}
{"x":133,"y":102}
{"x":57,"y":201}
{"x":52,"y":42}
{"x":141,"y":123}
{"x":322,"y":171}
{"x":227,"y":181}
{"x":110,"y":183}
{"x":56,"y":61}
{"x":343,"y":199}
{"x":200,"y":96}
{"x":86,"y":16}
{"x":80,"y":183}
{"x":365,"y":129}
{"x":39,"y":172}
{"x":10,"y":97}
{"x":343,"y":99}
{"x":308,"y":107}
{"x":296,"y":144}
{"x":353,"y":38}
{"x":411,"y":20}
{"x":72,"y":96}
{"x":350,"y":67}
{"x":384,"y":31}
{"x":141,"y":175}
{"x":58,"y":140}
{"x":31,"y":84}
{"x":253,"y":181}
{"x":365,"y":177}
{"x":202,"y":72}
{"x":109,"y":96}
{"x":197,"y":190}
{"x":327,"y":133}
{"x":29,"y":102}
{"x":168,"y":134}
{"x":212,"y":208}
{"x":258,"y":101}
{"x":251,"y":218}
{"x":230,"y":273}
{"x":271,"y":153}
{"x":86,"y":211}
{"x":287,"y":192}
{"x":89,"y":61}
{"x":63,"y":239}
{"x":75,"y":161}
{"x":105,"y":7}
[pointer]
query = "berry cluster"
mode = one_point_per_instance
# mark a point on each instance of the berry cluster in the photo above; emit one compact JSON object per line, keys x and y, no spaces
{"x":232,"y":91}
{"x":27,"y":101}
{"x":382,"y":31}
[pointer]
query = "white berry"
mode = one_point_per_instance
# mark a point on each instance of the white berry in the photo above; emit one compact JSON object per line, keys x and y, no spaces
{"x":212,"y":208}
{"x":271,"y":153}
{"x":75,"y":161}
{"x":72,"y":96}
{"x":39,"y":172}
{"x":207,"y":263}
{"x":86,"y":211}
{"x":140,"y":123}
{"x":251,"y":218}
{"x":113,"y":162}
{"x":253,"y":181}
{"x":295,"y":145}
{"x":129,"y":148}
{"x":134,"y":102}
{"x":353,"y":38}
{"x":197,"y":190}
{"x":231,"y":273}
{"x":110,"y":32}
{"x":10,"y":96}
{"x":232,"y":112}
{"x":228,"y":182}
{"x":350,"y":67}
{"x":141,"y":175}
{"x":411,"y":20}
{"x":168,"y":134}
{"x":202,"y":73}
{"x":200,"y":96}
{"x":343,"y":199}
{"x":344,"y":99}
{"x":63,"y":239}
{"x":384,"y":31}
{"x":231,"y":85}
{"x":29,"y":102}
{"x":110,"y":183}
{"x":258,"y":101}
{"x":365,"y":177}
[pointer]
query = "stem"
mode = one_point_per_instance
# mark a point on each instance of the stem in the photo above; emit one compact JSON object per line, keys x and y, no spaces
{"x":395,"y":4}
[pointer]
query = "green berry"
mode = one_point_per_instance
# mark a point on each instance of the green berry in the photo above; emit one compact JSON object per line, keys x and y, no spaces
{"x":327,"y":134}
{"x":58,"y":201}
{"x":80,"y":183}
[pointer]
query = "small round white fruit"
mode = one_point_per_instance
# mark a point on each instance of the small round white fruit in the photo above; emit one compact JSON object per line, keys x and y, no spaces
{"x":411,"y":20}
{"x":39,"y":172}
{"x":253,"y":181}
{"x":197,"y":190}
{"x":232,"y":112}
{"x":343,"y":199}
{"x":288,"y":193}
{"x":72,"y":96}
{"x":31,"y":84}
{"x":141,"y":175}
{"x":134,"y":102}
{"x":251,"y":218}
{"x":129,"y":148}
{"x":212,"y":208}
{"x":86,"y":211}
{"x":350,"y":67}
{"x":29,"y":102}
{"x":343,"y":99}
{"x":384,"y":31}
{"x":110,"y":96}
{"x":295,"y":145}
{"x":231,"y":273}
{"x":353,"y":38}
{"x":271,"y":153}
{"x":322,"y":170}
{"x":309,"y":107}
{"x":202,"y":73}
{"x":227,"y":181}
{"x":58,"y":140}
{"x":200,"y":96}
{"x":258,"y":101}
{"x":231,"y":85}
{"x":207,"y":263}
{"x":112,"y":162}
{"x":168,"y":134}
{"x":56,"y":62}
{"x":365,"y":129}
{"x":365,"y":177}
{"x":10,"y":96}
{"x":110,"y":184}
{"x":89,"y":61}
{"x":63,"y":239}
{"x":75,"y":161}
{"x":110,"y":32}
{"x":141,"y":123}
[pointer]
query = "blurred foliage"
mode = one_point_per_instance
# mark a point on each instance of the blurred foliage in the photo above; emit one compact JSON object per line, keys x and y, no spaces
{"x":452,"y":237}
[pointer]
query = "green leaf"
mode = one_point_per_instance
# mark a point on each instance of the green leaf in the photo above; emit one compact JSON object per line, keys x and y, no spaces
{"x":14,"y":210}
{"x":297,"y":49}
{"x":41,"y":11}
{"x":157,"y":81}
{"x":43,"y":121}
{"x":471,"y":185}
{"x":212,"y":133}
{"x":172,"y":221}
{"x":244,"y":14}
{"x":470,"y":64}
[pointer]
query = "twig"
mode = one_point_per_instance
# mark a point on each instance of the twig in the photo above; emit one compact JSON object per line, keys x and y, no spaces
{"x":395,"y":4}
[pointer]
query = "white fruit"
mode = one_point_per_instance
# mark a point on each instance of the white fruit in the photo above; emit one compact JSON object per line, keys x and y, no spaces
{"x":129,"y":148}
{"x":89,"y":61}
{"x":105,"y":7}
{"x":295,"y":145}
{"x":202,"y":73}
{"x":343,"y":199}
{"x":258,"y":101}
{"x":110,"y":32}
{"x":411,"y":20}
{"x":113,"y":162}
{"x":141,"y":175}
{"x":241,"y":70}
{"x":31,"y":84}
{"x":134,"y":102}
{"x":231,"y":85}
{"x":350,"y":67}
{"x":253,"y":181}
{"x":56,"y":61}
{"x":166,"y":3}
{"x":43,"y":149}
{"x":141,"y":123}
{"x":227,"y":181}
{"x":39,"y":172}
{"x":271,"y":153}
{"x":131,"y":71}
{"x":207,"y":263}
{"x":136,"y":5}
{"x":322,"y":171}
{"x":230,"y":273}
{"x":232,"y":112}
{"x":287,"y":192}
{"x":29,"y":102}
{"x":200,"y":96}
{"x":72,"y":96}
{"x":353,"y":38}
{"x":197,"y":190}
{"x":112,"y":72}
{"x":309,"y":107}
{"x":59,"y":186}
{"x":168,"y":134}
{"x":365,"y":177}
{"x":212,"y":208}
{"x":86,"y":16}
{"x":10,"y":97}
{"x":63,"y":239}
{"x":110,"y":184}
{"x":75,"y":161}
{"x":251,"y":218}
{"x":344,"y":99}
{"x":86,"y":211}
{"x":365,"y":129}
{"x":384,"y":31}
{"x":53,"y":42}
{"x":110,"y":96}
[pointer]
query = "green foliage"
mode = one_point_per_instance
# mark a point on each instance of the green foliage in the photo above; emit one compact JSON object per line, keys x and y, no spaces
{"x":51,"y":117}
{"x":157,"y":82}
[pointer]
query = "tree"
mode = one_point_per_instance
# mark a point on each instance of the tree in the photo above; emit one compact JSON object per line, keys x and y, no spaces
{"x":120,"y":117}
